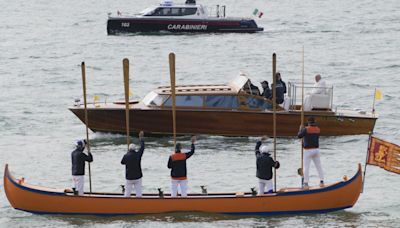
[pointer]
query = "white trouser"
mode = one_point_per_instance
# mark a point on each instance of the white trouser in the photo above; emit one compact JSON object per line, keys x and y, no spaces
{"x":78,"y":182}
{"x":314,"y":155}
{"x":138,"y":187}
{"x":174,"y":187}
{"x":261,"y":185}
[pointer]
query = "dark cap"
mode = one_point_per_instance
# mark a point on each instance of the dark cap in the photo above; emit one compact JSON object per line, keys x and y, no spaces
{"x":178,"y":147}
{"x":311,"y":119}
{"x":264,"y":82}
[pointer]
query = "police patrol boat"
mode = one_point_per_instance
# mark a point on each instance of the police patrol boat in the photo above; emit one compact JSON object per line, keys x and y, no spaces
{"x":187,"y":17}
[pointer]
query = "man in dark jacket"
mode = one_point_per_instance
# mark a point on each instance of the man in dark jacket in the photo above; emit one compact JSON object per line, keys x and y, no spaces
{"x":310,"y":135}
{"x":133,"y":169}
{"x":78,"y":159}
{"x":177,"y":164}
{"x":280,"y":89}
{"x":264,"y":167}
{"x":266,"y":90}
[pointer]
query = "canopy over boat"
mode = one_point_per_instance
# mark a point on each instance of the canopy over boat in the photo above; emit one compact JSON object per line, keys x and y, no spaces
{"x":43,"y":200}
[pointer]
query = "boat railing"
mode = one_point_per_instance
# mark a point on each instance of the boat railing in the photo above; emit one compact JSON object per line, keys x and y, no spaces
{"x":218,"y":11}
{"x":315,"y":98}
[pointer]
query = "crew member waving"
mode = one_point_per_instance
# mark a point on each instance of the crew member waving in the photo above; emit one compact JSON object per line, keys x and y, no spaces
{"x":177,"y":164}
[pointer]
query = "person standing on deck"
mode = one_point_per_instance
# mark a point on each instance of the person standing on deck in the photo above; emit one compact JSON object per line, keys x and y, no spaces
{"x":310,"y":135}
{"x":280,"y":89}
{"x":133,"y":169}
{"x":265,"y":163}
{"x":78,"y":159}
{"x":177,"y":164}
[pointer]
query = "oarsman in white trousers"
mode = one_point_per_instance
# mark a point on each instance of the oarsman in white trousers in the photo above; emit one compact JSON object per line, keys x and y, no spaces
{"x":78,"y":159}
{"x":310,"y":135}
{"x":133,"y":169}
{"x":264,"y":167}
{"x":177,"y":164}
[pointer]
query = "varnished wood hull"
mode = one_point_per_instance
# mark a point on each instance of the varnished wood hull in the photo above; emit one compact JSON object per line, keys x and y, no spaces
{"x":226,"y":123}
{"x":44,"y":200}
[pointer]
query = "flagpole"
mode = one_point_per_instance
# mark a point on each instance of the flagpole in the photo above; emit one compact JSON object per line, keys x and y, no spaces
{"x":373,"y":103}
{"x":125,"y":64}
{"x":172,"y":78}
{"x":274,"y":110}
{"x":86,"y":120}
{"x":366,"y":159}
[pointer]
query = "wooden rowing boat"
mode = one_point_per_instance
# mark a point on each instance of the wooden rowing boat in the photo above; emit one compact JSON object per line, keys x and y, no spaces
{"x":228,"y":110}
{"x":42,"y":200}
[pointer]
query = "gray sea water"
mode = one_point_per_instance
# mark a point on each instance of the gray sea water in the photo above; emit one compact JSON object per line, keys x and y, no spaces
{"x":354,"y":45}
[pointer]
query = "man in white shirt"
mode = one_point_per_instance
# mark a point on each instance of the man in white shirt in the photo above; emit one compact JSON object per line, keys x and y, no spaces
{"x":318,"y":88}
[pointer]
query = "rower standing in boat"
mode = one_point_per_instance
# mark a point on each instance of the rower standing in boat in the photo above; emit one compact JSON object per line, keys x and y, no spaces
{"x":133,"y":169}
{"x":78,"y":159}
{"x":265,"y":163}
{"x":177,"y":164}
{"x":280,"y":88}
{"x":311,"y":150}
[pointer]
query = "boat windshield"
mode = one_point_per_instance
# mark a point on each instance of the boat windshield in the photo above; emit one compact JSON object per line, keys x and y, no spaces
{"x":154,"y":98}
{"x":221,"y":102}
{"x":147,"y":11}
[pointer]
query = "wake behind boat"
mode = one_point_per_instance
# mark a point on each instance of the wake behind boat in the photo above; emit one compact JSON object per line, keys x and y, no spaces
{"x":188,"y":17}
{"x":43,"y":200}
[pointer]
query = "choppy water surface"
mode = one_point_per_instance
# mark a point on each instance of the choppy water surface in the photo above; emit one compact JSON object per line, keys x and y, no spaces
{"x":353,"y":44}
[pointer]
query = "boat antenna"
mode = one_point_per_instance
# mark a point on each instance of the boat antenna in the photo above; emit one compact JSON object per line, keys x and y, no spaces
{"x":173,"y":96}
{"x":274,"y":110}
{"x":125,"y":63}
{"x":300,"y":171}
{"x":86,"y":120}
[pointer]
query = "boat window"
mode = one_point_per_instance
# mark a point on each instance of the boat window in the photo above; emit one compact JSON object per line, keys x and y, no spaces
{"x":221,"y":101}
{"x":153,"y":98}
{"x":188,"y":11}
{"x":186,"y":101}
{"x":257,"y":103}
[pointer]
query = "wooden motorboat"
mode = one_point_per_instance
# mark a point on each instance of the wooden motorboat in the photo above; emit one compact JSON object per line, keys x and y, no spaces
{"x":176,"y":18}
{"x":43,"y":200}
{"x":233,"y":109}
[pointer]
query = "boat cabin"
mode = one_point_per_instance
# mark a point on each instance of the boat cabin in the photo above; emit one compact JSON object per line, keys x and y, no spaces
{"x":169,"y":9}
{"x":236,"y":95}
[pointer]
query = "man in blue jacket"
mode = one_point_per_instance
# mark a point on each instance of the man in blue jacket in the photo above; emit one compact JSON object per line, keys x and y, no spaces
{"x":264,"y":167}
{"x":78,"y":159}
{"x":310,"y":135}
{"x":177,"y":164}
{"x":133,"y":169}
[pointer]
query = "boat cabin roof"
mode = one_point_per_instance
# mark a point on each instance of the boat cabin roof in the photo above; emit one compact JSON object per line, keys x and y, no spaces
{"x":240,"y":84}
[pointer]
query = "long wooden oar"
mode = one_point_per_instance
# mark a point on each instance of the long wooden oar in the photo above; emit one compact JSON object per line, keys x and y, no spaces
{"x":125,"y":64}
{"x":274,"y":110}
{"x":172,"y":77}
{"x":301,"y":170}
{"x":86,"y":120}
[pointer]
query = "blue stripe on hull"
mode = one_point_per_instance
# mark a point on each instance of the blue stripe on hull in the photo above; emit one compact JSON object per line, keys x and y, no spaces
{"x":267,"y":213}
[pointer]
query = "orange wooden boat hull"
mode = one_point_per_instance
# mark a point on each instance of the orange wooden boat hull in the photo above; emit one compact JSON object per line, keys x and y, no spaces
{"x":217,"y":122}
{"x":43,"y":200}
